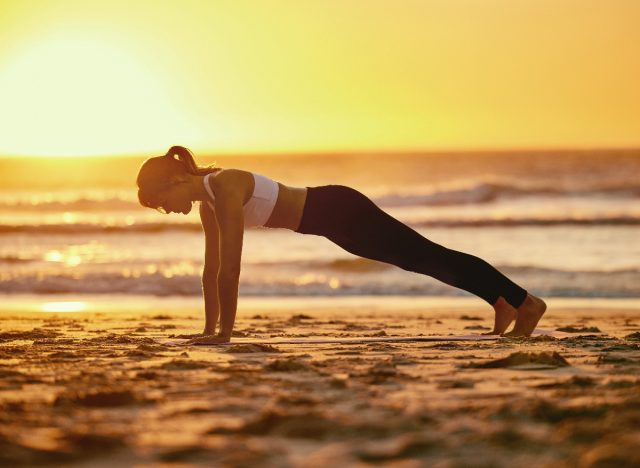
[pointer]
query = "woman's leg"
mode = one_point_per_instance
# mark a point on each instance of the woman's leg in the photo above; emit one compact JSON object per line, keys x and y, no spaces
{"x":352,"y":221}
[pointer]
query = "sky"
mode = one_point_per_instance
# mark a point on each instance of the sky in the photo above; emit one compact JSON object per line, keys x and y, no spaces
{"x":122,"y":77}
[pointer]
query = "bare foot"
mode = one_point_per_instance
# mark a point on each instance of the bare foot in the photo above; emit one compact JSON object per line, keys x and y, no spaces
{"x":505,"y":314}
{"x":529,"y":314}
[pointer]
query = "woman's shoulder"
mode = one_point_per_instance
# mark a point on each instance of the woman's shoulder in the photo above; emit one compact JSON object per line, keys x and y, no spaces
{"x":231,"y":181}
{"x":230,"y":177}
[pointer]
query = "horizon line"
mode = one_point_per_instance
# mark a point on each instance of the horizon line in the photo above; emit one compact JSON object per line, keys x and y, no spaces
{"x":347,"y":152}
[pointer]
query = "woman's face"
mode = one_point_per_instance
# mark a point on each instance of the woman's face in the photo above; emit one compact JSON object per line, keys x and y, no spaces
{"x":176,"y":198}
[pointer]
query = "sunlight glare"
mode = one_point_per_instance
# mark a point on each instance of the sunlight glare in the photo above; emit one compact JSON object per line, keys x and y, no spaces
{"x":53,"y":256}
{"x":77,"y":96}
{"x":70,"y":306}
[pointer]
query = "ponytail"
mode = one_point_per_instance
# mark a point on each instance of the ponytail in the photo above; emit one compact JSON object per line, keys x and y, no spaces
{"x":186,"y":158}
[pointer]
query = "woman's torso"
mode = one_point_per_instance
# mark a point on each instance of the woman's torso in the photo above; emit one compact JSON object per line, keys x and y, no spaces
{"x":265,"y":199}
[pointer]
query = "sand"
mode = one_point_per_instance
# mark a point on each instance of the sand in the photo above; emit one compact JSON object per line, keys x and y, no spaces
{"x":101,"y":389}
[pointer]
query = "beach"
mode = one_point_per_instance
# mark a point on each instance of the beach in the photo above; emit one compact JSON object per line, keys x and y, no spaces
{"x":97,"y":295}
{"x":103,"y":386}
{"x":470,"y":151}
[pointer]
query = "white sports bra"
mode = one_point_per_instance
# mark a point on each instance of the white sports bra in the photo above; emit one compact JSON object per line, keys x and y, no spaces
{"x":259,"y":207}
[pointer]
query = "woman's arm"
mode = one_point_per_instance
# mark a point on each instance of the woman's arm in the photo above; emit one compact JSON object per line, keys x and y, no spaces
{"x":229,"y":210}
{"x":211,"y":299}
{"x":211,"y":268}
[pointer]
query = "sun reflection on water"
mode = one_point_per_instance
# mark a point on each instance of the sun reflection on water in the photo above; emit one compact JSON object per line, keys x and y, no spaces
{"x":69,"y":306}
{"x":68,"y":217}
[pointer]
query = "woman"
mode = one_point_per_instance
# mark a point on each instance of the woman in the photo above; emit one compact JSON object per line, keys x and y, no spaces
{"x":236,"y":199}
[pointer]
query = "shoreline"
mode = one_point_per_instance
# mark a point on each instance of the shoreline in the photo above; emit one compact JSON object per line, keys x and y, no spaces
{"x":131,"y":303}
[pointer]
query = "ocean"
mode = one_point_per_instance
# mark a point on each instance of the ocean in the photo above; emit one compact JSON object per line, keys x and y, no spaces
{"x":558,"y":223}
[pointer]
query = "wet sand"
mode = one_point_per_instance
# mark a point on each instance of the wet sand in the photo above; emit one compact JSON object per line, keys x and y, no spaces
{"x":101,"y":389}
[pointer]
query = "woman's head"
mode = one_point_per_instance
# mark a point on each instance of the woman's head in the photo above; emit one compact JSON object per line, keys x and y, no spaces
{"x":164,"y":181}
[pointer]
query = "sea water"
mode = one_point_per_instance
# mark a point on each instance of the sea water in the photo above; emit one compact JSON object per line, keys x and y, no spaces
{"x":558,"y":223}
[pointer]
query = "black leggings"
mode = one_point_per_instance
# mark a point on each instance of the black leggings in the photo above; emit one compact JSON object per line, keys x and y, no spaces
{"x":351,"y":220}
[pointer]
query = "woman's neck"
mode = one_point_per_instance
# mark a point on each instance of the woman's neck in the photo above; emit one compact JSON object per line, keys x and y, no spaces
{"x":197,"y":189}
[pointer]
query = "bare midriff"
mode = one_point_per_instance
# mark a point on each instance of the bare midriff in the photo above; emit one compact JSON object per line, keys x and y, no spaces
{"x":287,"y":213}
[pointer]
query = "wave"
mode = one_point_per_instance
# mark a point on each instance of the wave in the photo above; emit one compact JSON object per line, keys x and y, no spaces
{"x":14,"y":259}
{"x":78,"y":204}
{"x":363,"y":265}
{"x":516,"y":222}
{"x":89,"y":228}
{"x":184,"y":285}
{"x":544,"y":281}
{"x":481,"y":192}
{"x":486,"y":192}
{"x":347,"y":265}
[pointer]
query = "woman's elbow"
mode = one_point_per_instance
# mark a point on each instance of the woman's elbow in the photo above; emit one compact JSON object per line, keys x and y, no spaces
{"x":229,"y":274}
{"x":210,"y":271}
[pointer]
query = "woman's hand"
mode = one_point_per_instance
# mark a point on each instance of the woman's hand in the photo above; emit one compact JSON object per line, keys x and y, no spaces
{"x":187,"y":335}
{"x":195,"y":335}
{"x":209,"y":339}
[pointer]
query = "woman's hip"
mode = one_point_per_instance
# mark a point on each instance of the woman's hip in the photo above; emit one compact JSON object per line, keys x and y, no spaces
{"x":329,"y":208}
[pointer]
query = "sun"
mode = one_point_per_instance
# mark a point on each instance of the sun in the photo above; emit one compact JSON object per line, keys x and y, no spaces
{"x":79,"y":96}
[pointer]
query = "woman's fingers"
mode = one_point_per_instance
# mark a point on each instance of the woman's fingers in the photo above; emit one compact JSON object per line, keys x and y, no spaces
{"x":209,"y":339}
{"x":187,"y":335}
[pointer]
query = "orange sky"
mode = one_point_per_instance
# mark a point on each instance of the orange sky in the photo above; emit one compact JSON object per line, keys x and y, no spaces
{"x":82,"y":77}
